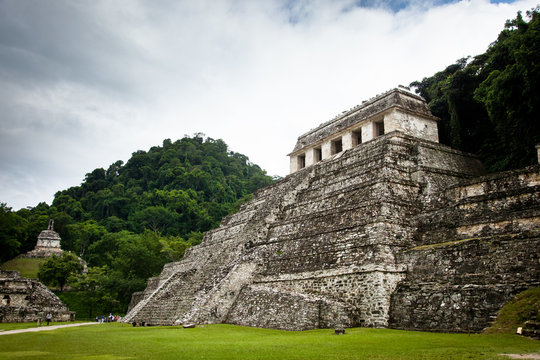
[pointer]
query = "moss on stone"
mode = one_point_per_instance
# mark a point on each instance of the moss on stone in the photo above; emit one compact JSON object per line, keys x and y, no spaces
{"x":448,"y":243}
{"x":457,"y":242}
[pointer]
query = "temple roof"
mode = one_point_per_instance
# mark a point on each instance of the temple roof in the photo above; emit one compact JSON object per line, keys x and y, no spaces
{"x":395,"y":98}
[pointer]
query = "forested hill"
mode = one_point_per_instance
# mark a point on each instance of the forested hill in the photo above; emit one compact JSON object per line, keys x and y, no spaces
{"x":132,"y":218}
{"x":174,"y":189}
{"x":489,"y":105}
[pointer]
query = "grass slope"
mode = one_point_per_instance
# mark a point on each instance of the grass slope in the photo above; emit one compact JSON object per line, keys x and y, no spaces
{"x":121,"y":341}
{"x":28,"y":268}
{"x":523,"y":307}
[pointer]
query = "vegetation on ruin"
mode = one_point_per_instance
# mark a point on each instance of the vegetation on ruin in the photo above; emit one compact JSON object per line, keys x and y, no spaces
{"x":235,"y":342}
{"x":525,"y":306}
{"x":490,"y":238}
{"x":130,"y":219}
{"x":27,"y":267}
{"x":489,"y":104}
{"x":448,"y":243}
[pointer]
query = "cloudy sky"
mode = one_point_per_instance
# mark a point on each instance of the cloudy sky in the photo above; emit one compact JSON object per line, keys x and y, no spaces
{"x":86,"y":83}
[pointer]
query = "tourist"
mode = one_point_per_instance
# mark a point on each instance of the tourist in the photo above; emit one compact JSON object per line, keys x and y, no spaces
{"x":49,"y":318}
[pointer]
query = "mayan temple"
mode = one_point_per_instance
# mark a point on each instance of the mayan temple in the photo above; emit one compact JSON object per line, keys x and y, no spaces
{"x":377,"y":225}
{"x":48,"y":244}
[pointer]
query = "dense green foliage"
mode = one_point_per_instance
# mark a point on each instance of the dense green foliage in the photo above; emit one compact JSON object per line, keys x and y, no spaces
{"x":12,"y":232}
{"x":93,"y":297}
{"x":119,"y":341}
{"x":19,"y":230}
{"x":57,"y":269}
{"x":489,"y":105}
{"x":131,"y":219}
{"x":176,"y":189}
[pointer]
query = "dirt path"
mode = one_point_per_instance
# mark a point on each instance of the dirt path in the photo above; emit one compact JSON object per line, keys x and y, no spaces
{"x":44,"y":328}
{"x":523,"y":356}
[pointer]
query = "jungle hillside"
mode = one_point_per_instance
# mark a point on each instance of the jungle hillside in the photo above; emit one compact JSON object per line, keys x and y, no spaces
{"x":130,"y":219}
{"x":489,"y":105}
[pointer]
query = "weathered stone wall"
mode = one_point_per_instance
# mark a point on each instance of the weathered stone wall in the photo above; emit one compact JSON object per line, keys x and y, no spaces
{"x":363,"y":291}
{"x":479,"y":245}
{"x":301,"y":311}
{"x":23,"y":299}
{"x":411,"y":124}
{"x":462,"y":286}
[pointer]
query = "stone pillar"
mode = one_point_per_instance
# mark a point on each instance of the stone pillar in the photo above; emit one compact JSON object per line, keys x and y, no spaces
{"x":326,"y":149}
{"x":347,"y":140}
{"x":294,"y":163}
{"x":367,"y":132}
{"x":310,"y":157}
{"x":538,"y":151}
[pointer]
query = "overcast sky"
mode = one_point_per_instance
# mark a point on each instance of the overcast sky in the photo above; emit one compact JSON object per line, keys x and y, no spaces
{"x":86,"y":83}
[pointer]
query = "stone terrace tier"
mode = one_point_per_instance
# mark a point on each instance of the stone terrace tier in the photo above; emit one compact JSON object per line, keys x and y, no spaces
{"x":478,"y":246}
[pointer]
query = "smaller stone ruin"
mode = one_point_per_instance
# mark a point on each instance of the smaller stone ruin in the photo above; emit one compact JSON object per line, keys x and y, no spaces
{"x":48,"y":244}
{"x":24,"y":300}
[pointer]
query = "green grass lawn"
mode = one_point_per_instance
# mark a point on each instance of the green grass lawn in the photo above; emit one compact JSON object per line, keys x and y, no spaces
{"x":122,"y":341}
{"x":28,"y":268}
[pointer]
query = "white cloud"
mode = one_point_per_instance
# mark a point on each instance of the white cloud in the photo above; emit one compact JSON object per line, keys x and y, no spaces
{"x":86,"y":84}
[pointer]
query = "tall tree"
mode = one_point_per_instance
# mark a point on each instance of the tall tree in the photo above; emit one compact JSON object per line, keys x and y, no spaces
{"x":57,"y":270}
{"x":12,"y":232}
{"x":511,"y":91}
{"x":489,"y":105}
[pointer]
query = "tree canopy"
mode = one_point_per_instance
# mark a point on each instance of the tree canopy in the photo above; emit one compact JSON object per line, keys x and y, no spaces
{"x":57,"y":269}
{"x":489,"y":104}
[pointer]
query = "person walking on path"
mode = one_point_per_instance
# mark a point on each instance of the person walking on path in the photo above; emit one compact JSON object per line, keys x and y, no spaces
{"x":49,"y":318}
{"x":40,"y":318}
